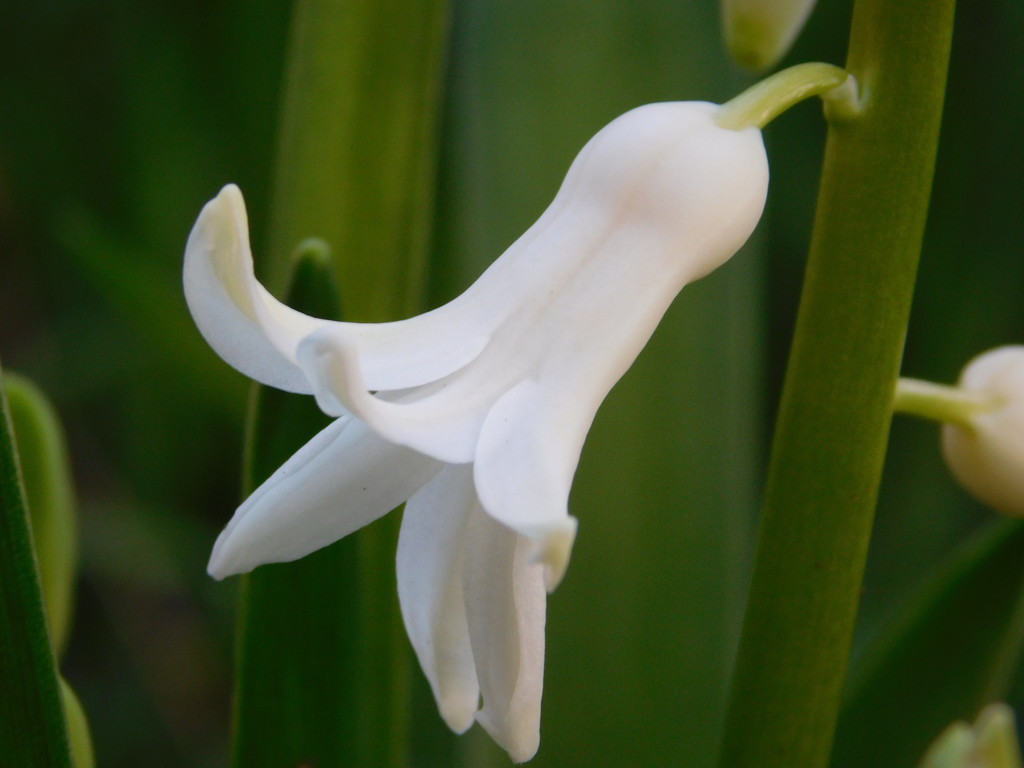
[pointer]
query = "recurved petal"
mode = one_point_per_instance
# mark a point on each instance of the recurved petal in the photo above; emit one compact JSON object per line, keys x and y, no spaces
{"x":525,"y":461}
{"x":430,"y":564}
{"x":505,"y":608}
{"x":331,"y":360}
{"x":342,"y":479}
{"x":230,"y":307}
{"x":258,"y":335}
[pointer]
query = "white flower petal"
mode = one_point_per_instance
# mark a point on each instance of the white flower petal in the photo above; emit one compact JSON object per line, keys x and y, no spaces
{"x":525,"y":463}
{"x":657,"y":199}
{"x":430,"y":590}
{"x":224,"y":297}
{"x":330,"y":360}
{"x":505,"y":607}
{"x":259,"y":335}
{"x":341,"y":480}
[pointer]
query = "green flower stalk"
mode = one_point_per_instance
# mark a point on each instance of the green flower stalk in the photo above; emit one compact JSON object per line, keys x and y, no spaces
{"x":766,"y":100}
{"x":834,"y":417}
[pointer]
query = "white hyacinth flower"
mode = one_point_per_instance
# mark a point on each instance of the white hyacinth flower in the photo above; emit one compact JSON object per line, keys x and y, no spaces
{"x":475,"y":413}
{"x":985,"y":451}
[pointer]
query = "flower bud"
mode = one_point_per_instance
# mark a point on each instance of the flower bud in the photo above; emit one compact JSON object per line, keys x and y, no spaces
{"x":987,"y":453}
{"x":760,"y":32}
{"x":991,"y":742}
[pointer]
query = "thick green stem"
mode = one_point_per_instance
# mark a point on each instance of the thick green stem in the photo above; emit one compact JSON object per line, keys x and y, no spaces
{"x":834,"y":417}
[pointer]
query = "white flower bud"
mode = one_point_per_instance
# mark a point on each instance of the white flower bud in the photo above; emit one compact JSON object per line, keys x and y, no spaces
{"x":760,"y":32}
{"x":987,"y":454}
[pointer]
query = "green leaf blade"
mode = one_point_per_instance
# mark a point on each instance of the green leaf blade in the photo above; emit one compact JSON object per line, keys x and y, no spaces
{"x":296,"y":645}
{"x":32,"y":728}
{"x":952,"y":650}
{"x":49,"y":491}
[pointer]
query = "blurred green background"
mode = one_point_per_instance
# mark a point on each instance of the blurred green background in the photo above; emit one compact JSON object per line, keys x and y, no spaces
{"x":118,"y":120}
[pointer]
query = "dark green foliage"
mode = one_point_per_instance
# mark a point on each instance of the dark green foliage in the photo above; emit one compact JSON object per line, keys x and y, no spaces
{"x":950,"y":649}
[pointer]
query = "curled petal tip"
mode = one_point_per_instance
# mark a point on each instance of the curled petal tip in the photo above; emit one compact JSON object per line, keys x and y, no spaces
{"x":230,"y":307}
{"x":329,"y":363}
{"x":226,"y":208}
{"x":554,"y":551}
{"x":230,"y":194}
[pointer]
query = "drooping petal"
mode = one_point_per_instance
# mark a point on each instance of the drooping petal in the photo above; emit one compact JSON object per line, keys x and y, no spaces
{"x":505,"y":608}
{"x":525,"y":463}
{"x":224,"y":297}
{"x":430,"y":565}
{"x":341,"y":480}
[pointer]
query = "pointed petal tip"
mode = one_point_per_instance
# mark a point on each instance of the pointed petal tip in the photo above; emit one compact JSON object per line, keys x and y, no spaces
{"x":521,"y":743}
{"x":228,"y":558}
{"x":554,"y":550}
{"x":217,"y":574}
{"x":458,"y":712}
{"x":220,"y":566}
{"x":228,"y":205}
{"x":230,"y":190}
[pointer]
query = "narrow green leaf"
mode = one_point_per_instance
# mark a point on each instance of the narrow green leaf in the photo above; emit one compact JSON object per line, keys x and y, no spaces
{"x":355,"y":166}
{"x":32,"y":731}
{"x":296,"y":645}
{"x":78,"y":727}
{"x":357,"y":145}
{"x":951,"y":650}
{"x":49,"y":490}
